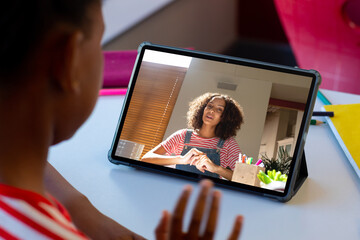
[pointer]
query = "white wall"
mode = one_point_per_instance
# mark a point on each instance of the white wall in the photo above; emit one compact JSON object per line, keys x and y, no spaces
{"x":276,"y":128}
{"x":269,"y":134}
{"x":206,"y":25}
{"x":120,"y":16}
{"x":253,"y":95}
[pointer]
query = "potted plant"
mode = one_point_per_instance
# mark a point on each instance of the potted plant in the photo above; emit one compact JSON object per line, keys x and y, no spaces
{"x":281,"y":163}
{"x":277,"y":171}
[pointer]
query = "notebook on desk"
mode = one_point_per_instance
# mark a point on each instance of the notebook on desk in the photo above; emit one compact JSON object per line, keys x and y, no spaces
{"x":271,"y":104}
{"x":346,"y":128}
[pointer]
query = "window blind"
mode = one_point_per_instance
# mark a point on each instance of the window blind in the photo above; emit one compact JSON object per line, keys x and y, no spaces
{"x":152,"y":103}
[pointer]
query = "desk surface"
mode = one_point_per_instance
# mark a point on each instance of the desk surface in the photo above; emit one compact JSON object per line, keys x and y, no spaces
{"x":326,"y":207}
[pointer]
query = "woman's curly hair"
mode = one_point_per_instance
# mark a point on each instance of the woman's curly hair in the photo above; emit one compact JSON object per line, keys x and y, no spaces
{"x":231,"y":118}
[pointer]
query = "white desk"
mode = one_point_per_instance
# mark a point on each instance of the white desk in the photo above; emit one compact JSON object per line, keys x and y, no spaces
{"x":326,"y":207}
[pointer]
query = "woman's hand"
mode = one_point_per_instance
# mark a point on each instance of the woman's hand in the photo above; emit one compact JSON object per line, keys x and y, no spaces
{"x":192,"y":156}
{"x":204,"y":163}
{"x":170,"y":226}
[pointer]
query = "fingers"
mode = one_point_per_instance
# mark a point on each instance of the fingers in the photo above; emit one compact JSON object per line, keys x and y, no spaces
{"x":162,"y":230}
{"x":174,"y":232}
{"x":192,"y":156}
{"x":204,"y":164}
{"x":198,"y":212}
{"x":200,"y":168}
{"x":197,"y":164}
{"x":213,"y":215}
{"x":198,"y":152}
{"x":177,"y":219}
{"x":195,"y":160}
{"x":235,"y":233}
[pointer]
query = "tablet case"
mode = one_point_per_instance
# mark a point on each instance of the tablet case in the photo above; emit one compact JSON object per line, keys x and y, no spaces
{"x":299,"y":174}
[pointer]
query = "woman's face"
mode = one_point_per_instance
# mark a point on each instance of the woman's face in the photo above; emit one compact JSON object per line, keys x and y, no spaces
{"x":213,"y":111}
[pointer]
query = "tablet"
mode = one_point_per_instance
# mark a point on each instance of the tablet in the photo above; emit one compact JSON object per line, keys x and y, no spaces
{"x":240,"y":123}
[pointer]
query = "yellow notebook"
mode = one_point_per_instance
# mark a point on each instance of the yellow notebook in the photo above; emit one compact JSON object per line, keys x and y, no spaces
{"x":346,"y":127}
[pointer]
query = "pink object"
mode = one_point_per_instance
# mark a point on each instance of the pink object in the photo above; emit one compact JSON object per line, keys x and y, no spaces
{"x":323,"y":38}
{"x":118,"y":66}
{"x":258,"y":162}
{"x":112,"y":91}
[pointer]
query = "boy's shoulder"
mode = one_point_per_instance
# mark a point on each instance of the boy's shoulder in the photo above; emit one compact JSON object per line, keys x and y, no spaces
{"x":29,"y":215}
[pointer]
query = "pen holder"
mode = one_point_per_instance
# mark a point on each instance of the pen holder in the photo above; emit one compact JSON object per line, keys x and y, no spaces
{"x":247,"y":174}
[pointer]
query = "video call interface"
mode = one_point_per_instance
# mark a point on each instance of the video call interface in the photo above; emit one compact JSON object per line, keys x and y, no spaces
{"x":229,"y":121}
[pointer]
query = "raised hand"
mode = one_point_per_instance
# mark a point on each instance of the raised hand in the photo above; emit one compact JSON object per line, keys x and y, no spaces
{"x":170,"y":226}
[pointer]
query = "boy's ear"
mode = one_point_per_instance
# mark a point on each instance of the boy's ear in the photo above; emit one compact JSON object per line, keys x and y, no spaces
{"x":65,"y":64}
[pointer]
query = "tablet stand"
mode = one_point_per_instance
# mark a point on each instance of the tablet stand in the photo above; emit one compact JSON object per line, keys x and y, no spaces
{"x":301,"y":175}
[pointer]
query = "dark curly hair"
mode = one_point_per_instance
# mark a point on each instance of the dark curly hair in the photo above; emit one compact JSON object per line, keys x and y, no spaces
{"x":231,"y":118}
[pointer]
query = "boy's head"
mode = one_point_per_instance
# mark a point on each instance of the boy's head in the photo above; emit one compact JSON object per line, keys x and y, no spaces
{"x":51,"y":48}
{"x":26,"y":24}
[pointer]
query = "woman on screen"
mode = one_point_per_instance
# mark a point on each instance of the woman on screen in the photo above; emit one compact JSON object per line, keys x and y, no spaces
{"x":208,"y":147}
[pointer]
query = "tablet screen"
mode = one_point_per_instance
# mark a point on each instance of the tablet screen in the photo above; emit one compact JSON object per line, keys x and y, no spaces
{"x":201,"y":115}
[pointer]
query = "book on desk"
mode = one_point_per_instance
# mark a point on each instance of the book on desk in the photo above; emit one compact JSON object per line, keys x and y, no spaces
{"x":346,"y":128}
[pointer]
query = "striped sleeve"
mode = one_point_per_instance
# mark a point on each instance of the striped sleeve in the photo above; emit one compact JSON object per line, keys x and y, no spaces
{"x":20,"y":219}
{"x":175,"y":142}
{"x":230,"y":153}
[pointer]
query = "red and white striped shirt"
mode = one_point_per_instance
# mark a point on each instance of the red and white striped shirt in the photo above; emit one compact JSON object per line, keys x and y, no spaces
{"x":28,"y":215}
{"x":229,"y":154}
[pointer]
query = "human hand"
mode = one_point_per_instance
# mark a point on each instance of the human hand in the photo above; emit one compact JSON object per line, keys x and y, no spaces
{"x":204,"y":163}
{"x":192,"y":156}
{"x":170,"y":226}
